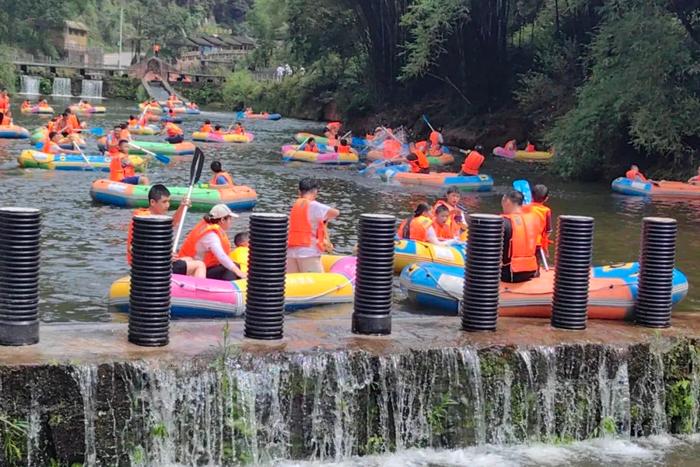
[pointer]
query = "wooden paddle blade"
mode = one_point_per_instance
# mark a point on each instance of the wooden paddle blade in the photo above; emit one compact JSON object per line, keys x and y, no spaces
{"x":197,"y":165}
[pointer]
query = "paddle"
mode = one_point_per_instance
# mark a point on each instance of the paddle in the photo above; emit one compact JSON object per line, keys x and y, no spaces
{"x":303,"y":143}
{"x":159,"y":157}
{"x":524,"y":187}
{"x":195,"y":173}
{"x":427,"y":122}
{"x":87,"y":161}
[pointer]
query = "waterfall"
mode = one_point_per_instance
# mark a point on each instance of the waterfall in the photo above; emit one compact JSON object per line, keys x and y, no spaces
{"x":30,"y":85}
{"x":259,"y":408}
{"x":92,"y":89}
{"x":61,"y":87}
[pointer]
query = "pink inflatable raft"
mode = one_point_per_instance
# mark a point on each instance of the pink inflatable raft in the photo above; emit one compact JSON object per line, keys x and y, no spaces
{"x":209,"y":298}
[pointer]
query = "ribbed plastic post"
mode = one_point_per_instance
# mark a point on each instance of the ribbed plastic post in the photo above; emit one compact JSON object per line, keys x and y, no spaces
{"x":572,"y":273}
{"x":375,"y":275}
{"x":656,"y":263}
{"x":151,"y":271}
{"x":20,"y":232}
{"x":267,"y":264}
{"x":482,"y":273}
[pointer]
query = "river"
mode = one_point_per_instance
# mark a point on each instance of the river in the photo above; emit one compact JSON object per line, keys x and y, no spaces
{"x":84,"y":242}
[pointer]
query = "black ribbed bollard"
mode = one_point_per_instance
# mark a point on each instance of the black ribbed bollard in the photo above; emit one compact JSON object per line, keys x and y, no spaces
{"x":20,"y":232}
{"x":482,"y":273}
{"x":267,"y":264}
{"x":572,"y":273}
{"x":151,"y":271}
{"x":656,"y":263}
{"x":375,"y":275}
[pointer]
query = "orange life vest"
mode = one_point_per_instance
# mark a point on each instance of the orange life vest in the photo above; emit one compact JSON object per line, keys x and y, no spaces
{"x":434,"y":138}
{"x":421,"y":163}
{"x":206,"y":128}
{"x":130,"y":232}
{"x":444,"y":231}
{"x":172,"y":129}
{"x":50,"y":126}
{"x":300,"y":231}
{"x":415,"y":229}
{"x":472,"y":163}
{"x":116,"y":171}
{"x":310,"y":147}
{"x":523,"y":242}
{"x":530,"y":148}
{"x":129,"y":170}
{"x":229,"y":179}
{"x":73,"y":122}
{"x":635,"y":175}
{"x":46,"y":147}
{"x":543,"y":213}
{"x":189,"y":246}
{"x":239,"y":131}
{"x":124,"y":134}
{"x":133,"y":122}
{"x":510,"y":145}
{"x":343,"y":149}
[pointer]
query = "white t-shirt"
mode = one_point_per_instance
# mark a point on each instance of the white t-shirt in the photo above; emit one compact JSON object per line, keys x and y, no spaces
{"x":211,"y":242}
{"x":317,"y":213}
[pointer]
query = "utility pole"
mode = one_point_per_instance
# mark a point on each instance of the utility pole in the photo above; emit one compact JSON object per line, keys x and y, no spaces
{"x":121,"y":29}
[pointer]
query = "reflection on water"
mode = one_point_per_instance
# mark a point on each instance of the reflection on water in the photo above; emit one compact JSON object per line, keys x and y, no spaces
{"x":84,"y":243}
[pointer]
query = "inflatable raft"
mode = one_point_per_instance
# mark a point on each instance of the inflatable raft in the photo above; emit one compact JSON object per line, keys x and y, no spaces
{"x":165,"y":118}
{"x":355,"y":141}
{"x":411,"y":251}
{"x":629,"y":187}
{"x":179,"y":149}
{"x":225,"y":138}
{"x":210,"y":298}
{"x":13,"y":132}
{"x":239,"y":197}
{"x":263,"y":116}
{"x":290,"y":153}
{"x":31,"y":159}
{"x":144,"y":130}
{"x":191,"y":111}
{"x":522,"y":155}
{"x":613,"y":290}
{"x":440,"y":180}
{"x":36,"y":109}
{"x":96,"y":109}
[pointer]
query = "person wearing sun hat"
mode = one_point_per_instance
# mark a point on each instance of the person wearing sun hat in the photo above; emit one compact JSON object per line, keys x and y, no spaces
{"x":209,"y":242}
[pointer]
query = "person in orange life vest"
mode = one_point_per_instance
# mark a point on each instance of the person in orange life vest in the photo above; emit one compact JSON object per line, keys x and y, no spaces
{"x":456,"y":219}
{"x":436,"y":141}
{"x":473,"y":161}
{"x":307,"y":229}
{"x":540,"y":195}
{"x":26,"y":105}
{"x":418,"y":159}
{"x":158,"y":205}
{"x":206,"y":128}
{"x":5,"y":119}
{"x":112,"y":139}
{"x":4,"y":101}
{"x":530,"y":147}
{"x":420,"y":227}
{"x":391,"y":149}
{"x":696,"y":179}
{"x":133,"y":122}
{"x":343,"y":147}
{"x":121,"y":165}
{"x":72,"y":120}
{"x":124,"y":132}
{"x":520,"y":231}
{"x":208,"y":242}
{"x":174,"y":133}
{"x":442,"y":226}
{"x":43,"y":103}
{"x":511,"y":145}
{"x":52,"y":145}
{"x":239,"y":130}
{"x":220,"y":177}
{"x":635,"y":175}
{"x":310,"y":145}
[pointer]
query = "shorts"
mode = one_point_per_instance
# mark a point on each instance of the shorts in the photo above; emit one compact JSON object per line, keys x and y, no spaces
{"x":180,"y":267}
{"x":132,"y":180}
{"x":308,"y":264}
{"x":221,"y":273}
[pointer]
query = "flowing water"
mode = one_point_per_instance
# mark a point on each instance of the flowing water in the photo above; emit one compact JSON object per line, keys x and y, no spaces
{"x":84,"y":242}
{"x":61,"y":87}
{"x":92,"y":89}
{"x":29,"y":85}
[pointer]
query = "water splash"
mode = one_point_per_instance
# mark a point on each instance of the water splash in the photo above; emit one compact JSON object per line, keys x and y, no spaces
{"x":61,"y":87}
{"x":86,"y":377}
{"x":30,"y":85}
{"x":91,"y":89}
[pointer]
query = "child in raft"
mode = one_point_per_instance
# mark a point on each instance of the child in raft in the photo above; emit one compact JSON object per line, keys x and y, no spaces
{"x":540,"y":195}
{"x":206,"y":128}
{"x":221,"y":178}
{"x":239,"y":254}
